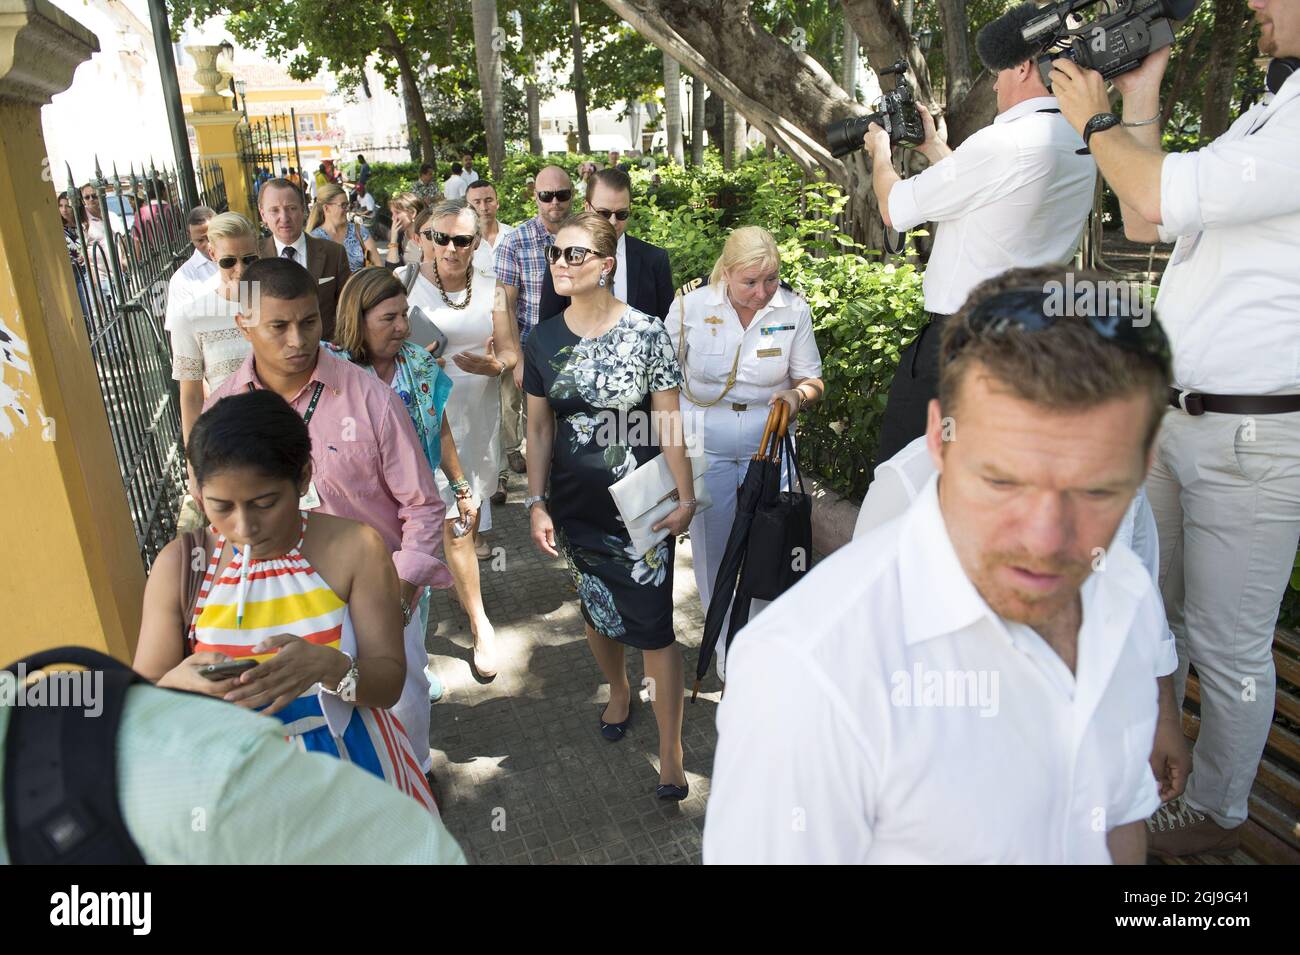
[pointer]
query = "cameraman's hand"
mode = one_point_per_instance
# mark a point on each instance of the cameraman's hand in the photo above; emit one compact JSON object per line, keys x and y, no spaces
{"x":931,"y":131}
{"x":1147,"y":77}
{"x":876,"y":142}
{"x":1080,"y":93}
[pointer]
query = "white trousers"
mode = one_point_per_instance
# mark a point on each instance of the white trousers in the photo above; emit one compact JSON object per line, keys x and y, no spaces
{"x":413,"y":707}
{"x":730,"y":440}
{"x":1225,"y":490}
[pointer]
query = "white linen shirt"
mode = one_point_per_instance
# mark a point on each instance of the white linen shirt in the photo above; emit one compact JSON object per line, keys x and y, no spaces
{"x":1230,"y":298}
{"x":899,"y":480}
{"x":1013,"y":194}
{"x":197,"y":276}
{"x":832,"y":747}
{"x":485,"y":254}
{"x":455,"y":187}
{"x":777,"y":348}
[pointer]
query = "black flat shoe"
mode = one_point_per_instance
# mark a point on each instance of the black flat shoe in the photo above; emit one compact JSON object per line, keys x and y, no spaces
{"x":614,"y":731}
{"x":670,"y":791}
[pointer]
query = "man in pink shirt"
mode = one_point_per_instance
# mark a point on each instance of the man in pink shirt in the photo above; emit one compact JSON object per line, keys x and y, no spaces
{"x":367,"y":463}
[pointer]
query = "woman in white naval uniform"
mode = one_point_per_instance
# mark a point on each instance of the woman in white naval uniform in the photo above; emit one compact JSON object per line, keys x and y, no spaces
{"x":743,"y":342}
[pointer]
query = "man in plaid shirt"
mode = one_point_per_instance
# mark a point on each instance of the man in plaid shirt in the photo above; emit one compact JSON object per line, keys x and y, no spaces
{"x":520,"y":267}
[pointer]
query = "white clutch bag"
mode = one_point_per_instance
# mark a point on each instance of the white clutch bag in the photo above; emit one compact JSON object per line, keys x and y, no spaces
{"x":649,"y":494}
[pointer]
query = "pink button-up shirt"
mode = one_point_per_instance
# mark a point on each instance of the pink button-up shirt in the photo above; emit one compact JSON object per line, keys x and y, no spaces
{"x":367,"y":464}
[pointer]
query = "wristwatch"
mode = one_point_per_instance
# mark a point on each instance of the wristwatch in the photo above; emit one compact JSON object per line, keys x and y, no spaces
{"x":347,"y":688}
{"x":530,"y":501}
{"x":1097,"y":124}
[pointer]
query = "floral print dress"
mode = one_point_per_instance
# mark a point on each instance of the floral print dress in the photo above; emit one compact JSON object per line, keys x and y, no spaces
{"x":599,"y":389}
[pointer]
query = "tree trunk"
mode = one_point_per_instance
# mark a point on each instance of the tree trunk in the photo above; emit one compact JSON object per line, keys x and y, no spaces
{"x":487,"y":55}
{"x":1182,"y":73}
{"x":956,"y":50}
{"x":733,"y":137}
{"x":1221,"y":69}
{"x":849,"y":64}
{"x":673,"y":109}
{"x":532,"y":97}
{"x":579,"y":78}
{"x":635,"y":123}
{"x":697,"y":121}
{"x":411,"y":94}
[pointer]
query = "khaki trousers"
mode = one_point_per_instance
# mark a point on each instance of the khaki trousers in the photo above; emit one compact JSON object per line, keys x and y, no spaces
{"x":1225,"y":490}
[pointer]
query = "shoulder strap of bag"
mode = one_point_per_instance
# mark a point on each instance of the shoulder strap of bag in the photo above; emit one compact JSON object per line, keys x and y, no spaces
{"x":408,"y":280}
{"x":60,"y":764}
{"x":193,"y":543}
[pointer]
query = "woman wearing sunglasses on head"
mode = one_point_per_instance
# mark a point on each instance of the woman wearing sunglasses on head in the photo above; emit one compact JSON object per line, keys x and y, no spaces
{"x":206,"y":345}
{"x":456,"y":300}
{"x":602,"y":362}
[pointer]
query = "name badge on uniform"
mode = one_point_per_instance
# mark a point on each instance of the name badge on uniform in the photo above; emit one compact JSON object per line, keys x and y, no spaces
{"x":769,"y":353}
{"x":773,"y":329}
{"x":311,"y":500}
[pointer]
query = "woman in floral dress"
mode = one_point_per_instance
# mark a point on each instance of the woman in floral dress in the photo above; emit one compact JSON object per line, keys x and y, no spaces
{"x":593,"y":376}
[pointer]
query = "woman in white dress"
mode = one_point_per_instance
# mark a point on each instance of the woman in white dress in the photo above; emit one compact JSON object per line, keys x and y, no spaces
{"x":207,"y":346}
{"x":457,"y":300}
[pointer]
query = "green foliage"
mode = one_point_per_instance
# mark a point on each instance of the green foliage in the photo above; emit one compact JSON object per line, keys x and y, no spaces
{"x":864,"y":309}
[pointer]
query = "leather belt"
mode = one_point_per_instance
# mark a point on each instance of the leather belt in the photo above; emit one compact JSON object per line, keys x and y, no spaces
{"x":1194,"y":403}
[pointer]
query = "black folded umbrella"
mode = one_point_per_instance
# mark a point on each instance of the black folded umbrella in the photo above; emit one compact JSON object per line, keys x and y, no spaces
{"x":764,"y":471}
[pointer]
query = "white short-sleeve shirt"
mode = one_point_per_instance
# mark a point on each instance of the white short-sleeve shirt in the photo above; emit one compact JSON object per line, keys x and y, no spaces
{"x":776,"y":349}
{"x":485,"y":254}
{"x":197,"y":276}
{"x":880,"y":712}
{"x":1015,"y":193}
{"x":206,"y":344}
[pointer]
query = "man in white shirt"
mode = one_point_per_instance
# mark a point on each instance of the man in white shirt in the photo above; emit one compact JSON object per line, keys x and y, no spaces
{"x":1225,"y":486}
{"x":455,"y":186}
{"x":198,"y":275}
{"x":468,"y":172}
{"x":1014,"y":194}
{"x":365,"y":201}
{"x":482,"y":195}
{"x":960,"y":685}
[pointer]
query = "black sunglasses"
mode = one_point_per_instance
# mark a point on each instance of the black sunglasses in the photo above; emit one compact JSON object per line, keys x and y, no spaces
{"x":90,"y":197}
{"x":442,"y":238}
{"x":228,"y":261}
{"x":559,"y":195}
{"x":573,"y":255}
{"x":1114,"y":319}
{"x":619,"y":214}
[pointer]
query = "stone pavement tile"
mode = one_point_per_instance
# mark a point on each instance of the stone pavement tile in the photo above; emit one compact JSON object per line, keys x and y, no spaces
{"x":523,"y":773}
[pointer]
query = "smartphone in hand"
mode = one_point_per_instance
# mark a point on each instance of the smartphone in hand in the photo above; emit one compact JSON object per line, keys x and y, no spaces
{"x":224,"y":671}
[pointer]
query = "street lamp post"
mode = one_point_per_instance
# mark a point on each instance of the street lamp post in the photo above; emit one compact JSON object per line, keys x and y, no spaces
{"x":172,"y":98}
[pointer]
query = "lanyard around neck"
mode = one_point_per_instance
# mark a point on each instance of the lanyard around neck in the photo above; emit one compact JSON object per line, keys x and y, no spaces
{"x":311,"y":405}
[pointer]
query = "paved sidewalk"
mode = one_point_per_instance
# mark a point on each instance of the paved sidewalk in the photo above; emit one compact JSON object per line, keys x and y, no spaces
{"x":523,"y":773}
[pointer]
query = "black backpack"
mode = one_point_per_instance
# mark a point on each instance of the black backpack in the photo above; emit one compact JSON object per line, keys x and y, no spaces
{"x":60,"y":771}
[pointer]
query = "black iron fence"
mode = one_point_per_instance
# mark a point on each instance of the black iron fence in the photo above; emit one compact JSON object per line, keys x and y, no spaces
{"x":267,"y":145}
{"x":130,"y":236}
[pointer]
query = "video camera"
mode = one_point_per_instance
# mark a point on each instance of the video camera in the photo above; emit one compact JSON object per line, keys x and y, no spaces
{"x":896,"y":114}
{"x":1114,"y":43}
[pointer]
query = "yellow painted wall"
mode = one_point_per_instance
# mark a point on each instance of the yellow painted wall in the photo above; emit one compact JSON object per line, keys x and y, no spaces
{"x":70,"y":570}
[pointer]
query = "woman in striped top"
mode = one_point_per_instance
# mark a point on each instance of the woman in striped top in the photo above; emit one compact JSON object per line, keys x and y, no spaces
{"x":310,"y":598}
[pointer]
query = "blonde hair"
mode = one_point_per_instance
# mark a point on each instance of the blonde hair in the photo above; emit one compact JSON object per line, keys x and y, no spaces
{"x":604,"y":239}
{"x":326,"y":193}
{"x":747,"y":246}
{"x":230,"y":225}
{"x":409,"y":202}
{"x":364,"y":290}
